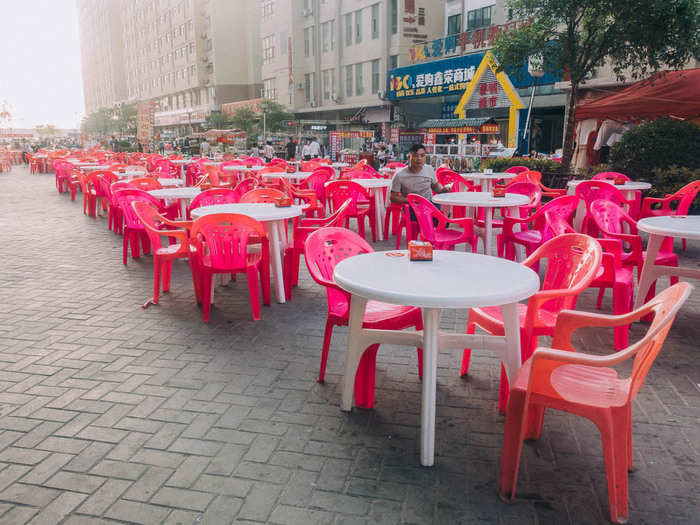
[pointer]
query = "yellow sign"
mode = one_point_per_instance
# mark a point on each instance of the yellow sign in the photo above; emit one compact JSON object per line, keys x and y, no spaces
{"x":489,"y":66}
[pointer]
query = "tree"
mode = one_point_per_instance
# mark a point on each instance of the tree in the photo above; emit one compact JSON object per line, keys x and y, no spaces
{"x":275,"y":115}
{"x":575,"y":37}
{"x":117,"y":119}
{"x":218,"y":120}
{"x":46,"y":129}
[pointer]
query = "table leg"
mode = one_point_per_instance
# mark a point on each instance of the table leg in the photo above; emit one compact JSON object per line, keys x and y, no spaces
{"x":649,"y":272}
{"x":275,"y":252}
{"x":183,"y":209}
{"x":580,"y":211}
{"x":488,"y":224}
{"x":355,"y":349}
{"x":379,"y":210}
{"x":431,"y":332}
{"x":511,"y":328}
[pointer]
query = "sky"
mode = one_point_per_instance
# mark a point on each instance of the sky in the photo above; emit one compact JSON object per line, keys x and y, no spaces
{"x":40,"y":75}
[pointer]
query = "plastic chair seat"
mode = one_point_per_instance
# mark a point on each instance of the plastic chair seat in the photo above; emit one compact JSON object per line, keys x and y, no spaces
{"x":447,"y":235}
{"x":376,"y":312}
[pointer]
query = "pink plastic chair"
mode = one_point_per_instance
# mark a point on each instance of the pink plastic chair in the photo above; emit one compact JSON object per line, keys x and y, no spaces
{"x":133,"y":229}
{"x":589,"y":386}
{"x":221,"y":244}
{"x":441,"y":237}
{"x":531,"y":190}
{"x":591,"y":190}
{"x":684,"y":198}
{"x":611,"y":220}
{"x":338,"y":191}
{"x":636,"y":205}
{"x":213,"y":196}
{"x":517,"y":169}
{"x":244,"y":187}
{"x":395,"y":165}
{"x":317,"y":182}
{"x":573,"y":261}
{"x":324,"y":249}
{"x":534,"y":231}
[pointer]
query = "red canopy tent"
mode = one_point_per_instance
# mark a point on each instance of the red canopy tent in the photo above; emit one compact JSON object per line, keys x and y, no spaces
{"x":668,"y":93}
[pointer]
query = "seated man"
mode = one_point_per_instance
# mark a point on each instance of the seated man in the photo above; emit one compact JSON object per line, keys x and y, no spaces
{"x":417,"y":178}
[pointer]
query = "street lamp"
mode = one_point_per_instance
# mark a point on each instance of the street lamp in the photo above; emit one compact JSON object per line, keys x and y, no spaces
{"x":535,"y":68}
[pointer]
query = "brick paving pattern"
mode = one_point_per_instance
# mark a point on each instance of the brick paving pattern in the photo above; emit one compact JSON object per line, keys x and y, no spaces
{"x":110,"y":413}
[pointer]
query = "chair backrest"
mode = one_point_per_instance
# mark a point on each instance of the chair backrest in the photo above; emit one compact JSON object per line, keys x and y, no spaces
{"x":151,"y":220}
{"x":557,"y":224}
{"x":564,"y":206}
{"x":395,"y":165}
{"x":310,"y":165}
{"x":263,"y":195}
{"x":610,"y":217}
{"x":339,"y":191}
{"x":459,"y":183}
{"x":425,"y":212}
{"x":687,"y":194}
{"x":213,"y":175}
{"x":317,"y":181}
{"x":573,"y":260}
{"x":591,"y":190}
{"x":275,"y":168}
{"x":214,"y":196}
{"x":145,"y":183}
{"x":517,"y":169}
{"x":244,"y":187}
{"x":325,"y":248}
{"x":527,"y":176}
{"x":530,"y":190}
{"x":223,"y":238}
{"x":610,"y":175}
{"x":124,"y":198}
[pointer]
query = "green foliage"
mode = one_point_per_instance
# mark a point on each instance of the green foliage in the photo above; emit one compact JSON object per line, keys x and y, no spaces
{"x":671,"y":179}
{"x":46,"y":129}
{"x":541,"y":165}
{"x":276,"y":114}
{"x":218,"y":120}
{"x":656,"y":145}
{"x":118,"y":119}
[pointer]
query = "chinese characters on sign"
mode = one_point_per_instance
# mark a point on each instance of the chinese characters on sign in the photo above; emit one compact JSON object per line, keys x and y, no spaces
{"x":145,"y":117}
{"x":431,"y":83}
{"x":478,"y":39}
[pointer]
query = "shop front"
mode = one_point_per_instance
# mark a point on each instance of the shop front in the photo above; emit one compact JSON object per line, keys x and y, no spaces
{"x":469,"y":88}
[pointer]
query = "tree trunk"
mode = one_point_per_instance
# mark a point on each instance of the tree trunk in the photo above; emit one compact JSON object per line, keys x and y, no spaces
{"x":569,"y":129}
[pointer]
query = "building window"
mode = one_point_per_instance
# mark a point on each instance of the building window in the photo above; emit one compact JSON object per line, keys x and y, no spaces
{"x":307,"y":86}
{"x":269,"y":89}
{"x":479,"y":18}
{"x":393,"y":61}
{"x":358,"y":26}
{"x":268,"y":50}
{"x":375,"y":21}
{"x":375,"y":76}
{"x":348,"y":81}
{"x":307,"y":41}
{"x":267,"y":8}
{"x":454,"y":24}
{"x":326,"y":31}
{"x":329,"y":84}
{"x":348,"y":29}
{"x":359,"y":83}
{"x":394,"y":16}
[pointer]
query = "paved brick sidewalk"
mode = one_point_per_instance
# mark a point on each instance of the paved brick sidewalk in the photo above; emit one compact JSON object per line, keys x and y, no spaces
{"x":109,"y":413}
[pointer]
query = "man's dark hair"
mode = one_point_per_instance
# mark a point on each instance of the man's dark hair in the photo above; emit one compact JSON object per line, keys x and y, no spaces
{"x":415,"y":147}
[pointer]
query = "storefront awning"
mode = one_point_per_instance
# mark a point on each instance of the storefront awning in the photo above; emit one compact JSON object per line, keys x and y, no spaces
{"x":459,"y":125}
{"x":670,"y":93}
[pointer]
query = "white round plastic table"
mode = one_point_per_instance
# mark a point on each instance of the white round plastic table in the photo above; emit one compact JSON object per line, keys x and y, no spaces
{"x":169,"y":183}
{"x":243,"y":168}
{"x":273,"y":218}
{"x":628,"y":189}
{"x":486,"y":180}
{"x":483,"y":199}
{"x":296,"y":176}
{"x":374,"y":186}
{"x":658,"y":228}
{"x":451,"y":280}
{"x":130,"y":174}
{"x":184,"y":195}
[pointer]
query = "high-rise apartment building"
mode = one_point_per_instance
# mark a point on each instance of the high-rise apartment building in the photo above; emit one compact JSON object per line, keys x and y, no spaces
{"x":328,"y":59}
{"x":188,"y":56}
{"x":102,"y":53}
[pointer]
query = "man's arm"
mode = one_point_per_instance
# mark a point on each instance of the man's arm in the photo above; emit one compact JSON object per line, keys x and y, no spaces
{"x":439,"y":188}
{"x":397,"y":198}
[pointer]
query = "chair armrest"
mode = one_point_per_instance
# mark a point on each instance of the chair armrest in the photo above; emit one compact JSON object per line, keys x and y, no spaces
{"x":612,"y":247}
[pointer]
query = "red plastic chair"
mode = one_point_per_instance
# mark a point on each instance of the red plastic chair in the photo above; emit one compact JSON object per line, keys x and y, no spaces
{"x":244,"y":187}
{"x":591,"y":190}
{"x":133,"y":229}
{"x":536,"y":177}
{"x":612,"y":274}
{"x":441,"y":237}
{"x":221,"y":244}
{"x":338,"y":191}
{"x":611,"y":220}
{"x":573,"y":261}
{"x":517,"y":169}
{"x":534,"y":230}
{"x":302,"y":230}
{"x":317,"y":182}
{"x":589,"y":386}
{"x":145,"y":183}
{"x":684,"y":196}
{"x":89,"y":194}
{"x":529,"y":189}
{"x":157,"y":226}
{"x":269,"y":195}
{"x":214,"y":196}
{"x":395,"y":165}
{"x":324,"y":249}
{"x":611,"y":176}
